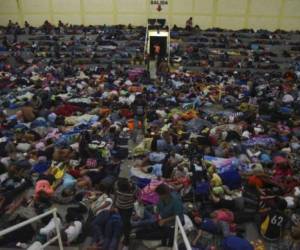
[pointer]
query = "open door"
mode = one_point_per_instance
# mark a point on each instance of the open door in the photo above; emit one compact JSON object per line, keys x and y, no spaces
{"x":157,"y":33}
{"x":162,"y":42}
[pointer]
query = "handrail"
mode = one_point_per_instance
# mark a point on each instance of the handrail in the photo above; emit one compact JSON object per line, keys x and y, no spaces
{"x":29,"y":221}
{"x":179,"y":226}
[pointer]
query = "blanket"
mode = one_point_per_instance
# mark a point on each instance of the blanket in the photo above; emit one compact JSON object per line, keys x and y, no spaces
{"x":262,"y":141}
{"x":222,"y":164}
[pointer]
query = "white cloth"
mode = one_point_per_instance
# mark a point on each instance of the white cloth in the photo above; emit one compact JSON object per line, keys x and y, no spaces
{"x":139,"y":209}
{"x":157,"y":157}
{"x":290,"y":201}
{"x":35,"y":246}
{"x":297,"y":191}
{"x":138,"y":173}
{"x":287,"y":98}
{"x":23,"y":147}
{"x":73,"y":231}
{"x":188,"y":224}
{"x":246,"y":134}
{"x":3,"y":177}
{"x":100,"y":202}
{"x":50,"y":227}
{"x":6,"y":161}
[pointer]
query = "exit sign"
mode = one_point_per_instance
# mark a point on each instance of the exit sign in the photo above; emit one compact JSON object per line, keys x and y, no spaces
{"x":161,"y":2}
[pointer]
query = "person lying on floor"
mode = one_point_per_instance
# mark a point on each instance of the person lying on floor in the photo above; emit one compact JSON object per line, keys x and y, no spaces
{"x":14,"y":183}
{"x":107,"y":230}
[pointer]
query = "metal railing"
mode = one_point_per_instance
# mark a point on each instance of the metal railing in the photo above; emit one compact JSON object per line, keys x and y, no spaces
{"x":179,"y":229}
{"x":29,"y":221}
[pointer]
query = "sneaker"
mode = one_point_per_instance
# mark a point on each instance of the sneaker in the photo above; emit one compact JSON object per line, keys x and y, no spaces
{"x":50,"y":227}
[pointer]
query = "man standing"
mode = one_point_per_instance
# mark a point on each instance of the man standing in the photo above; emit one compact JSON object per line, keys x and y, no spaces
{"x":156,"y":49}
{"x":157,"y":54}
{"x":139,"y":109}
{"x":163,"y":71}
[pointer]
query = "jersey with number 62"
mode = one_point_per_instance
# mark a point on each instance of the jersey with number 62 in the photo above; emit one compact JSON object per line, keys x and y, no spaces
{"x":273,"y":224}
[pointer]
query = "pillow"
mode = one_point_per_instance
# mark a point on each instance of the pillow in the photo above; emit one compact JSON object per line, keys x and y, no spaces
{"x":23,"y":147}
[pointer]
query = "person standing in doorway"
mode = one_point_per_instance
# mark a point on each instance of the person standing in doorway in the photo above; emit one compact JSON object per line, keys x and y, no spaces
{"x":157,"y":54}
{"x":156,"y":49}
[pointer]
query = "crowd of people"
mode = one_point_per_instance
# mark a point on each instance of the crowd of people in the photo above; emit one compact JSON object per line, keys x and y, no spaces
{"x":217,"y":148}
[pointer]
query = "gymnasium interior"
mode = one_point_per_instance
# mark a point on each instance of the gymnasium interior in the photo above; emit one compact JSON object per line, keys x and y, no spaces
{"x":150,"y":124}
